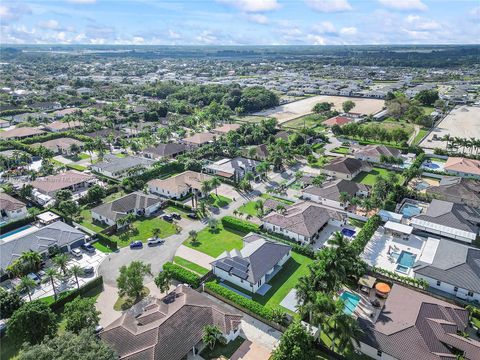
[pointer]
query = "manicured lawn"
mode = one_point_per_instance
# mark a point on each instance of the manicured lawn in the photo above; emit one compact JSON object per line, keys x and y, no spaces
{"x":214,"y":243}
{"x":370,"y":178}
{"x":86,"y":220}
{"x":321,"y":161}
{"x":219,"y":350}
{"x":177,"y":209}
{"x":142,"y":229}
{"x":113,"y":196}
{"x":308,"y":121}
{"x":78,"y":157}
{"x":419,"y":136}
{"x":77,"y":167}
{"x":248,"y":208}
{"x":428,"y":109}
{"x":341,"y":150}
{"x":102,"y":247}
{"x":124,"y":303}
{"x":268,"y":196}
{"x":190,"y":265}
{"x":218,"y":200}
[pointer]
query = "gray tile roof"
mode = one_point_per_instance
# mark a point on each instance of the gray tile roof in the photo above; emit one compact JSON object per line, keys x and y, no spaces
{"x":455,"y":264}
{"x":165,"y":150}
{"x":58,"y":233}
{"x":112,"y":163}
{"x":456,"y":216}
{"x":346,"y":165}
{"x":258,"y":256}
{"x":416,"y":326}
{"x":331,"y":190}
{"x":169,"y":328}
{"x":458,"y":190}
{"x":376,"y":151}
{"x":119,"y":208}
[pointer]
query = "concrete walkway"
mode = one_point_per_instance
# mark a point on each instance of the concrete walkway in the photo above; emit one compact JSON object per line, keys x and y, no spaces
{"x":251,"y":351}
{"x":195,"y":256}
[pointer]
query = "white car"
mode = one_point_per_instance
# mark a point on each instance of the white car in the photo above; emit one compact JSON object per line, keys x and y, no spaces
{"x":76,"y":252}
{"x":34,"y":277}
{"x":154,"y":241}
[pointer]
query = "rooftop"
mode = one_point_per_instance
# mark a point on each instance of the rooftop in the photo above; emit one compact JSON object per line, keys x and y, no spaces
{"x":63,"y":180}
{"x":181,"y":182}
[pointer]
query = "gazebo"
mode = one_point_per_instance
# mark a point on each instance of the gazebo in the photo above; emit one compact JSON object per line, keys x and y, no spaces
{"x":366,"y":283}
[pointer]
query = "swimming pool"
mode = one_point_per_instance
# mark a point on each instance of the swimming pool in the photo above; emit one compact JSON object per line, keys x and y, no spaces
{"x":348,"y":232}
{"x":406,"y":259}
{"x":409,"y":210}
{"x":3,"y":236}
{"x":351,"y":301}
{"x":422,"y":185}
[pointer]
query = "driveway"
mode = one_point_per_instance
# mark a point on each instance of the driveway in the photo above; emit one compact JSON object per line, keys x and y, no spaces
{"x":195,"y":256}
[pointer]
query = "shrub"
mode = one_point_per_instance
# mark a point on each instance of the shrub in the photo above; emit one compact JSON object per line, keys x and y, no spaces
{"x":68,"y":296}
{"x":239,"y":225}
{"x":106,"y":241}
{"x":183,"y":275}
{"x":419,"y":283}
{"x":365,"y":234}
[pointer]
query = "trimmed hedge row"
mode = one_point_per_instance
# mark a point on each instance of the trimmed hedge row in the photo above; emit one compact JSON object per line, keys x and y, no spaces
{"x":305,"y":250}
{"x":233,"y":223}
{"x":183,"y":275}
{"x":71,"y":295}
{"x":419,"y":283}
{"x":16,"y":224}
{"x":364,"y":235}
{"x":106,"y":241}
{"x":248,"y":304}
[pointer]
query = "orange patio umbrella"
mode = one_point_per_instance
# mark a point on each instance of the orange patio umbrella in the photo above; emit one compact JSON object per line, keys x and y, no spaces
{"x":382,"y":288}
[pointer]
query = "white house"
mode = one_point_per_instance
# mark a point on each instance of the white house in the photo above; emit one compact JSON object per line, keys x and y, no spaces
{"x":11,"y":209}
{"x":254,"y":265}
{"x":118,"y":168}
{"x":463,"y":167}
{"x":233,"y":169}
{"x":178,"y":186}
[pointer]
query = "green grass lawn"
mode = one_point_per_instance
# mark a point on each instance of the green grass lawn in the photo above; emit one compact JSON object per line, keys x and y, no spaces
{"x":214,"y":243}
{"x":219,"y":350}
{"x":341,"y":150}
{"x":308,"y":121}
{"x":176,"y":209}
{"x":427,"y":110}
{"x":77,"y":167}
{"x":370,"y":178}
{"x":86,"y":220}
{"x":142,"y":229}
{"x":102,"y":247}
{"x":218,"y":200}
{"x":248,"y":208}
{"x":78,"y":157}
{"x":273,"y":197}
{"x":124,"y":303}
{"x":419,"y":136}
{"x":321,"y":161}
{"x":190,"y":265}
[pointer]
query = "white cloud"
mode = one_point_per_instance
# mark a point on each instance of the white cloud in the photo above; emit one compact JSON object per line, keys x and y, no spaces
{"x":315,"y":39}
{"x":82,"y":1}
{"x":325,"y":27}
{"x":49,"y":24}
{"x":475,"y":12}
{"x":348,"y":31}
{"x":13,"y":11}
{"x":329,"y":6}
{"x":138,"y":40}
{"x":418,"y":23}
{"x":173,"y":35}
{"x":404,"y":4}
{"x":258,"y":18}
{"x":253,"y":5}
{"x":206,"y":37}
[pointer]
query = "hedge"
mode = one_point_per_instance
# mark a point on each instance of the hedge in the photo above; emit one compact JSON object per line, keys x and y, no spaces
{"x":239,"y":225}
{"x":71,"y":295}
{"x":248,"y":304}
{"x":183,"y":275}
{"x":365,"y":234}
{"x":419,"y":283}
{"x":107,"y":242}
{"x":16,"y":224}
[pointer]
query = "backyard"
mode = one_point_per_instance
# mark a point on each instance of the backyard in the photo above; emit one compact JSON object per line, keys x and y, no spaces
{"x":218,"y":201}
{"x":214,"y":242}
{"x":226,"y":350}
{"x":370,"y":178}
{"x":190,"y":265}
{"x":310,"y":121}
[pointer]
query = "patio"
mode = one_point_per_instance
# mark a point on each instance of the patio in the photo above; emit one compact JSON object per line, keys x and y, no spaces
{"x":327,"y":233}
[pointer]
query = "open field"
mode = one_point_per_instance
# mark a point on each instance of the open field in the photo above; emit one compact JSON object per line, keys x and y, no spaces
{"x":462,"y":122}
{"x":215,"y":242}
{"x":308,"y":121}
{"x":287,"y":112}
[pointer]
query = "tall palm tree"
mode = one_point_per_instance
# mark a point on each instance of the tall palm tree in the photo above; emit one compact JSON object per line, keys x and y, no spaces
{"x":338,"y":240}
{"x":205,"y":187}
{"x":344,"y":330}
{"x":26,"y":284}
{"x":215,"y":183}
{"x":50,"y":275}
{"x":76,"y":271}
{"x":32,"y":258}
{"x":156,"y":233}
{"x":61,"y":261}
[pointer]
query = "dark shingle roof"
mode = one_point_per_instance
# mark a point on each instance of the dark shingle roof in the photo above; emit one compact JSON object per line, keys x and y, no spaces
{"x":458,"y":190}
{"x":165,"y":149}
{"x":331,"y":190}
{"x":346,"y":165}
{"x":112,"y":163}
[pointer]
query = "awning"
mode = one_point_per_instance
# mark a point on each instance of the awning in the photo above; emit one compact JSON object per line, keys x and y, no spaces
{"x":367,"y":281}
{"x":401,"y":228}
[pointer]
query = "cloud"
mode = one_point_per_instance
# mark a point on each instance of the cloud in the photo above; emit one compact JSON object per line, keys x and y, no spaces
{"x":325,"y":27}
{"x":252,"y":5}
{"x":475,"y":12}
{"x":207,"y":37}
{"x":173,"y":35}
{"x":138,"y":40}
{"x":257,"y":18}
{"x":404,"y":5}
{"x":348,"y":31}
{"x":329,"y":6}
{"x":418,"y":23}
{"x":315,"y":39}
{"x":13,"y":12}
{"x":82,"y":2}
{"x":48,"y":24}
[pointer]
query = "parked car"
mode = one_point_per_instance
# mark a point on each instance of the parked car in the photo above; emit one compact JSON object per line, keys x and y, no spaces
{"x":76,"y":252}
{"x":88,"y":248}
{"x":89,"y":270}
{"x":168,"y":218}
{"x":3,"y":327}
{"x":175,"y":216}
{"x":98,"y":328}
{"x":136,"y":244}
{"x":192,"y":215}
{"x":34,"y":277}
{"x":154,"y":241}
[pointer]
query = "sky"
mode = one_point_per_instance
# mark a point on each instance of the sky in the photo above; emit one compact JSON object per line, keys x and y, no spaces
{"x":240,"y":22}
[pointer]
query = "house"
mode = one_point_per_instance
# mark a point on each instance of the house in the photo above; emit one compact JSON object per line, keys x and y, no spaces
{"x":345,"y":168}
{"x":62,"y":113}
{"x":457,"y":190}
{"x":337,"y":120}
{"x":119,"y":168}
{"x":254,"y":265}
{"x":60,"y":145}
{"x":413,"y":325}
{"x":20,"y":133}
{"x":107,"y":133}
{"x":261,"y":152}
{"x":70,"y":180}
{"x":170,"y":328}
{"x":59,"y":126}
{"x":47,"y":105}
{"x":57,"y":234}
{"x":374,"y":153}
{"x":451,"y":220}
{"x":4,"y":124}
{"x":199,"y":139}
{"x":136,"y":203}
{"x":164,"y":151}
{"x":330,"y":193}
{"x":463,"y":167}
{"x":11,"y":209}
{"x":179,"y":186}
{"x":233,"y":169}
{"x":225,"y":129}
{"x":453,"y":269}
{"x":302,"y":221}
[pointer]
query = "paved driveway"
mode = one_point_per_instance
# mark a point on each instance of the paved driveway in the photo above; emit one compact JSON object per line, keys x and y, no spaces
{"x":195,"y":256}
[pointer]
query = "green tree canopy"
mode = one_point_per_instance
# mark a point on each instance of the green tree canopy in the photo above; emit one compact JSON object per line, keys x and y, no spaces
{"x":81,"y":314}
{"x":10,"y":301}
{"x":130,"y":280}
{"x":296,"y":344}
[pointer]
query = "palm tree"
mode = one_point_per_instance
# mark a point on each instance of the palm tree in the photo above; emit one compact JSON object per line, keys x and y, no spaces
{"x":26,"y":284}
{"x":156,"y":233}
{"x":76,"y":271}
{"x":193,"y":235}
{"x":32,"y":258}
{"x":61,"y":261}
{"x":205,"y":187}
{"x":162,"y":280}
{"x":50,"y":275}
{"x":344,"y":197}
{"x":338,"y":240}
{"x":215,"y":183}
{"x":259,"y":207}
{"x":345,"y":330}
{"x":212,"y":223}
{"x":211,"y":334}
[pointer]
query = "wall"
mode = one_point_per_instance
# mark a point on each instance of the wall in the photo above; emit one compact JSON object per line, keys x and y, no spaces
{"x":101,"y":218}
{"x":442,"y":233}
{"x":448,"y":288}
{"x":237,"y":281}
{"x":167,"y":193}
{"x":372,"y":352}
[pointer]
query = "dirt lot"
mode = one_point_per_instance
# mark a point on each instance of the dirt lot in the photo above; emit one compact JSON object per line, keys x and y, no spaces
{"x":462,"y":122}
{"x":284,"y":113}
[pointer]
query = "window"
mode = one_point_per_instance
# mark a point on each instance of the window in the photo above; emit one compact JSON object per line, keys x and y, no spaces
{"x":379,"y":353}
{"x":455,"y":289}
{"x":439,"y":283}
{"x":470,"y":293}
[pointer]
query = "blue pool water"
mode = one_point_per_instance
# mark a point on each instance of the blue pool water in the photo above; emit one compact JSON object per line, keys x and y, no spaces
{"x":15,"y":231}
{"x":348,"y":232}
{"x":406,"y":259}
{"x":409,"y":210}
{"x":351,"y":301}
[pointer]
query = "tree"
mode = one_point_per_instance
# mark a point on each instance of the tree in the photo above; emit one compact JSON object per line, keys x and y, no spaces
{"x":50,"y":275}
{"x":296,"y":344}
{"x":343,"y":329}
{"x":32,"y":260}
{"x":95,"y":194}
{"x":215,"y":183}
{"x":81,"y":314}
{"x":76,"y":271}
{"x":259,"y":207}
{"x":213,"y":224}
{"x":31,"y":323}
{"x":10,"y":301}
{"x":26,"y":284}
{"x":162,"y":280}
{"x":210,"y":335}
{"x":322,"y":107}
{"x":156,"y":232}
{"x":63,"y":195}
{"x":130,"y":280}
{"x":427,"y":97}
{"x":61,"y":261}
{"x":348,"y":105}
{"x":193,"y":236}
{"x":84,"y":346}
{"x":69,"y":208}
{"x":26,"y":191}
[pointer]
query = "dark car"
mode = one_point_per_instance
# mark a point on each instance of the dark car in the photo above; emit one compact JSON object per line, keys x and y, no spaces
{"x":192,"y":215}
{"x":89,"y":270}
{"x":175,"y":216}
{"x":88,"y":248}
{"x":168,"y":218}
{"x":136,"y":244}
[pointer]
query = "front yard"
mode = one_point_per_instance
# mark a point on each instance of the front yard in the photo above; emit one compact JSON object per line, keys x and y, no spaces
{"x":370,"y":178}
{"x":213,"y":243}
